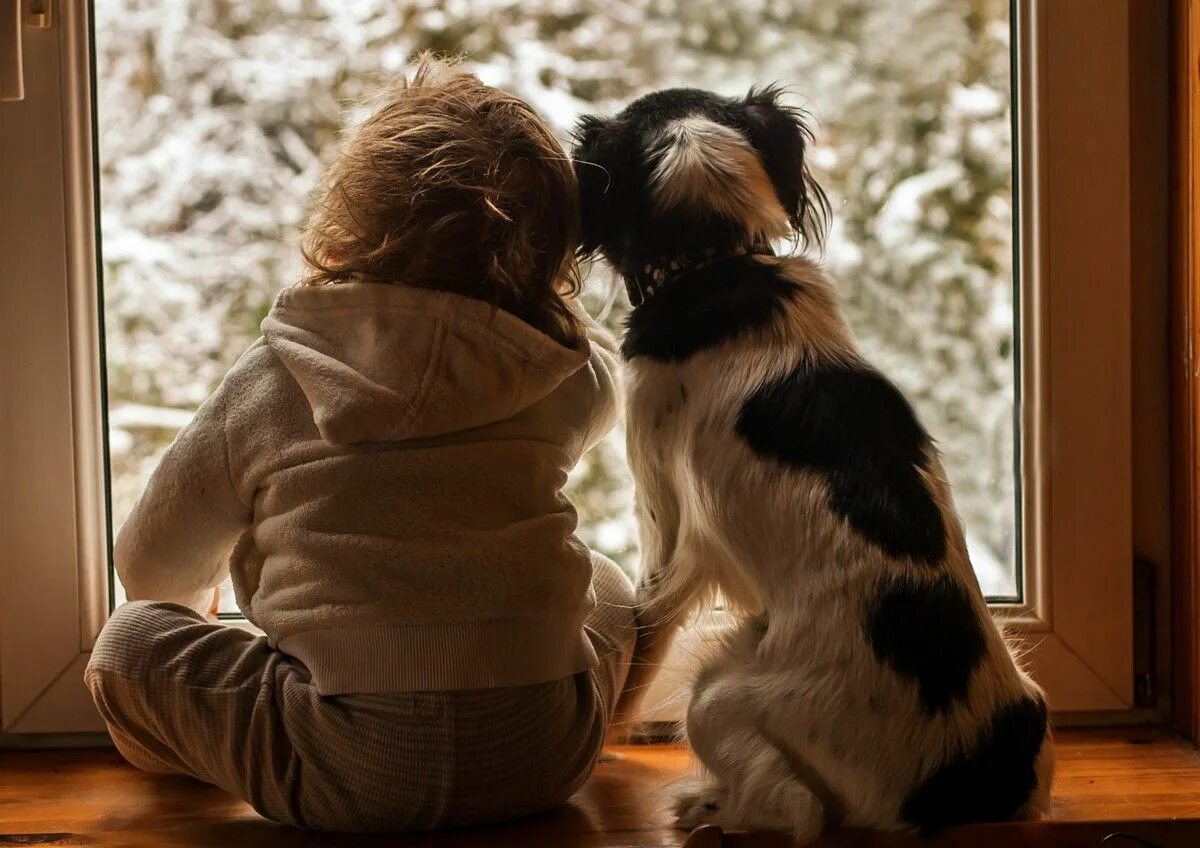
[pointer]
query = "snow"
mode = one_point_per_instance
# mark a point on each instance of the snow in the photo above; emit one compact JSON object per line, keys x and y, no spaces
{"x":903,"y":212}
{"x":132,"y":416}
{"x":997,"y":578}
{"x":214,"y":119}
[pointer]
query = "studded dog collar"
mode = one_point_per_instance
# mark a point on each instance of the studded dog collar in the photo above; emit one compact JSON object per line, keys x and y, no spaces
{"x":652,"y":277}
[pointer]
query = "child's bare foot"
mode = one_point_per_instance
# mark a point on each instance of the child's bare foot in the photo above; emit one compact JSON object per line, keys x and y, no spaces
{"x":215,"y":606}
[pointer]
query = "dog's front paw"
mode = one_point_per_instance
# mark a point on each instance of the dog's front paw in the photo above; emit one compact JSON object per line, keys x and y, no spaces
{"x":695,"y":808}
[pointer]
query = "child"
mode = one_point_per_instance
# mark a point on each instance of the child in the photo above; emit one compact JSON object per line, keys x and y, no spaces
{"x":382,"y":475}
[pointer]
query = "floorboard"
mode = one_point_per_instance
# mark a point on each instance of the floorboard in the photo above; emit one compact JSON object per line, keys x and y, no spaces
{"x":1139,"y":782}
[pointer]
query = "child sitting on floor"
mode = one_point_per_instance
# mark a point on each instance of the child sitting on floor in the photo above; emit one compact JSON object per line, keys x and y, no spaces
{"x":382,"y":475}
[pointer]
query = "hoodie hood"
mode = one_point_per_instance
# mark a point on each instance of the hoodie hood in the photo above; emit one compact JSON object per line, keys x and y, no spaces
{"x":381,"y":362}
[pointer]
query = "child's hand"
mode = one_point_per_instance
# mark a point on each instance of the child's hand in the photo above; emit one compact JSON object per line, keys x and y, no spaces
{"x":620,"y":732}
{"x":215,"y":606}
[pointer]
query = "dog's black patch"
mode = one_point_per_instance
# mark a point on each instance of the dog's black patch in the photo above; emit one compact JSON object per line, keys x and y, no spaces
{"x":927,"y":632}
{"x":853,"y":426}
{"x":990,"y":782}
{"x":707,"y":307}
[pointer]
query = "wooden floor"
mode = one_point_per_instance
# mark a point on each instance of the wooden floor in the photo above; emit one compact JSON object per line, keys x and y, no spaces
{"x":1134,"y":782}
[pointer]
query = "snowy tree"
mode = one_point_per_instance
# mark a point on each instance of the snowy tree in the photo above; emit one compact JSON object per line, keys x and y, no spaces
{"x":215,"y":118}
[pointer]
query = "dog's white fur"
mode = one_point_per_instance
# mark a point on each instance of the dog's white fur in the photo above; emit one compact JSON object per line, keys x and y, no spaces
{"x":707,"y":165}
{"x":795,"y":719}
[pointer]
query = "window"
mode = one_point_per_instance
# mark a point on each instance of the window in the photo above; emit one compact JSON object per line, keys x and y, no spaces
{"x":214,"y":121}
{"x":211,"y":123}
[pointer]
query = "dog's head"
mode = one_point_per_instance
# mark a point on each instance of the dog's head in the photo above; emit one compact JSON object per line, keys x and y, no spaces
{"x":682,"y":171}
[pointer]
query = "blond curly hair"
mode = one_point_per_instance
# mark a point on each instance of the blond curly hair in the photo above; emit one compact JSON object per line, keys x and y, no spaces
{"x":453,"y":185}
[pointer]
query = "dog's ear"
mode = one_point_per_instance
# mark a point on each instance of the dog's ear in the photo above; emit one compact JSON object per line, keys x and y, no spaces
{"x":593,"y":172}
{"x":781,"y":137}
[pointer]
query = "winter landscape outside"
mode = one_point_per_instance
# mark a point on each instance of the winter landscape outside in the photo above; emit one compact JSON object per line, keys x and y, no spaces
{"x":215,"y":117}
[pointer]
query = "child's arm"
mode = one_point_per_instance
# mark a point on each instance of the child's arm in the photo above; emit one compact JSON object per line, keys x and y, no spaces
{"x":175,"y":544}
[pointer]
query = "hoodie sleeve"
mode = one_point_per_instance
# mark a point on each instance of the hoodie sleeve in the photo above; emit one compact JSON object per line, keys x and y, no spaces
{"x":176,"y":542}
{"x":606,"y":370}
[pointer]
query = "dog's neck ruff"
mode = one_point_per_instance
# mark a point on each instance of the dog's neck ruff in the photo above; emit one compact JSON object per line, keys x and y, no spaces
{"x":650,"y":278}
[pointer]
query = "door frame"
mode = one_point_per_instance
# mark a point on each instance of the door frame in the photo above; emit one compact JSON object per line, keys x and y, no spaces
{"x":1185,"y":365}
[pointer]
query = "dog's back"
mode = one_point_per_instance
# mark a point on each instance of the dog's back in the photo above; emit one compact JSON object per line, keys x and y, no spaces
{"x":866,"y":681}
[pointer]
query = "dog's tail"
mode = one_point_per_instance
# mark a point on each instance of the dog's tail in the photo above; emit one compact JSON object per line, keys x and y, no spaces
{"x":707,"y":167}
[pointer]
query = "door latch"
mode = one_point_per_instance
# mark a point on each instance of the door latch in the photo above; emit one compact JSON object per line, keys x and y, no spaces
{"x":14,"y":16}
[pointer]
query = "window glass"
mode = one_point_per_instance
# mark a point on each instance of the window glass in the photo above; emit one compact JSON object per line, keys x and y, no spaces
{"x":216,"y":116}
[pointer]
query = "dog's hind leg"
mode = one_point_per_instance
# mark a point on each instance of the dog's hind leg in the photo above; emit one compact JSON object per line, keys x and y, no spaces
{"x":754,"y":785}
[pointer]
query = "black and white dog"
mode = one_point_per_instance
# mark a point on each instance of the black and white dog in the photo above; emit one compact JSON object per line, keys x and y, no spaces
{"x":865,"y":681}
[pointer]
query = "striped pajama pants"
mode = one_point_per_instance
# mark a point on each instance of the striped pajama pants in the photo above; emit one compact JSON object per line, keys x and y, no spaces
{"x":183,"y":695}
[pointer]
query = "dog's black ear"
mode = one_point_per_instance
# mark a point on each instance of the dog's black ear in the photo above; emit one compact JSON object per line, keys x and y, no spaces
{"x":781,"y":136}
{"x":593,"y":173}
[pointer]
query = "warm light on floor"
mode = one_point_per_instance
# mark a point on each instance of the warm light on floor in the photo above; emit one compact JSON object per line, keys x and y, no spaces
{"x":1117,"y":780}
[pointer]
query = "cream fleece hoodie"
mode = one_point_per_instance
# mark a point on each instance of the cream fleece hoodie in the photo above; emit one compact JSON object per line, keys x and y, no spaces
{"x":382,"y":474}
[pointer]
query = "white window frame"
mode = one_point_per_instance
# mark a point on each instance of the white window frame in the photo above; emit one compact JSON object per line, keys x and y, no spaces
{"x":1076,"y":625}
{"x":53,"y":520}
{"x":1076,"y":351}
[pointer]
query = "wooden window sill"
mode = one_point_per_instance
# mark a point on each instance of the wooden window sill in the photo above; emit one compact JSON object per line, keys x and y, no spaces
{"x":1141,"y":782}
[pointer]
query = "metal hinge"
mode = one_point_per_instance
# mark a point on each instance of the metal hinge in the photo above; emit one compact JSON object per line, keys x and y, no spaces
{"x":1145,"y":633}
